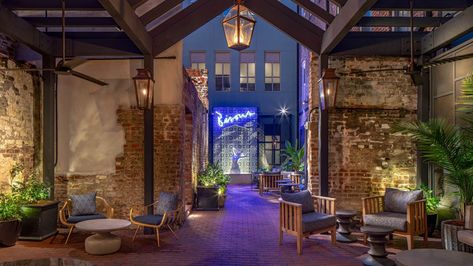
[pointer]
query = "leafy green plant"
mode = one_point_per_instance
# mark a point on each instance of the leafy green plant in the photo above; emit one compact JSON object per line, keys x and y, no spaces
{"x":27,"y":190}
{"x":294,"y":158}
{"x":10,"y":207}
{"x":213,"y":176}
{"x":432,"y":202}
{"x":449,"y":146}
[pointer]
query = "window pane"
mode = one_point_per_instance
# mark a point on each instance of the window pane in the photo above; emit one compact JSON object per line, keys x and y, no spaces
{"x":268,"y":138}
{"x":268,"y":80}
{"x":201,"y":66}
{"x":251,"y":86}
{"x":251,"y":80}
{"x":226,"y":82}
{"x":218,"y":69}
{"x":243,"y":80}
{"x":276,"y":87}
{"x":276,"y":80}
{"x":218,"y":83}
{"x":276,"y":70}
{"x":194,"y":66}
{"x":268,"y":86}
{"x":243,"y":87}
{"x":243,"y":70}
{"x":251,"y":70}
{"x":226,"y":69}
{"x":267,"y":70}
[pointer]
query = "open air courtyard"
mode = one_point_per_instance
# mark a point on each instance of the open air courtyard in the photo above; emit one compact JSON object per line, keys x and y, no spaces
{"x":236,"y":132}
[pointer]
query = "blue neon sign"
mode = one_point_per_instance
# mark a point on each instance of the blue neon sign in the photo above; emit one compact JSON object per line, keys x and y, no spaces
{"x":221,"y":121}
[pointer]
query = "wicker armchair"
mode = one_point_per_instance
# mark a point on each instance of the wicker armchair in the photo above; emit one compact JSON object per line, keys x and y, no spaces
{"x":70,"y":221}
{"x":408,"y":225}
{"x":170,"y":220}
{"x":294,"y":221}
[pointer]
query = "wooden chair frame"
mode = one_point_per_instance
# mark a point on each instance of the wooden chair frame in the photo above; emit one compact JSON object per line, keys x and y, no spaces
{"x":170,"y":219}
{"x":290,"y":219}
{"x":416,"y":217}
{"x":66,"y":210}
{"x":296,"y":178}
{"x":267,"y":182}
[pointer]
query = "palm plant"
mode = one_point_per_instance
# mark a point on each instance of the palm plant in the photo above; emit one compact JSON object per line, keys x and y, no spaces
{"x":294,"y":157}
{"x":449,"y":146}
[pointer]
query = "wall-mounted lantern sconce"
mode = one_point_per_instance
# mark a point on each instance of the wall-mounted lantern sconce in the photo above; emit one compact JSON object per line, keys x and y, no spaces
{"x":328,"y":88}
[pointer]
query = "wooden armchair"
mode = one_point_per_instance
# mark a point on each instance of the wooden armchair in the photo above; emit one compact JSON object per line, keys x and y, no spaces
{"x":295,"y":178}
{"x":293,"y":221}
{"x":415,"y":218}
{"x":65,"y":217}
{"x":267,"y":182}
{"x":170,"y":219}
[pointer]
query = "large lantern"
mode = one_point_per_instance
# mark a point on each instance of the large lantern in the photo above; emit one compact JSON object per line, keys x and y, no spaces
{"x":238,"y":25}
{"x":328,"y":86}
{"x":144,"y":89}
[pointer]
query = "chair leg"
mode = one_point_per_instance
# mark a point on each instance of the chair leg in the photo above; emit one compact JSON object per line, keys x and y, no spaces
{"x":280,"y":236}
{"x":410,"y":242}
{"x":172,"y":231}
{"x":426,"y":237}
{"x":333,"y":236}
{"x":299,"y":244}
{"x":157,"y":237}
{"x":136,"y":231}
{"x":69,"y":235}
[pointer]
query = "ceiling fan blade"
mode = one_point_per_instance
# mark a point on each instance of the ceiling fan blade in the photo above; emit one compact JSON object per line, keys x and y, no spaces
{"x":26,"y":69}
{"x":74,"y":62}
{"x":447,"y":60}
{"x":88,"y":78}
{"x":377,"y":70}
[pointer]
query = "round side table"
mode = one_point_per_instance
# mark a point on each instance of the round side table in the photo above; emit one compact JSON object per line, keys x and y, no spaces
{"x":377,"y":241}
{"x":344,"y":220}
{"x":103,"y":242}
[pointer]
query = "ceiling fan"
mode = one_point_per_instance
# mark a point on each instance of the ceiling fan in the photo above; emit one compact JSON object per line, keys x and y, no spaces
{"x":413,"y":69}
{"x":64,"y":67}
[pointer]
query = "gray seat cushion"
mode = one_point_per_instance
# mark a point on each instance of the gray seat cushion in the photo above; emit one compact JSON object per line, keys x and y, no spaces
{"x":466,"y":237}
{"x":304,"y":198}
{"x":394,"y":220}
{"x":314,"y":221}
{"x":83,"y":204}
{"x":149,"y":219}
{"x":80,"y":218}
{"x":396,"y":200}
{"x":167,"y":202}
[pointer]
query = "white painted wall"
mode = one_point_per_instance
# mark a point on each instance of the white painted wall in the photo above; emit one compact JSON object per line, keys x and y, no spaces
{"x":89,"y":137}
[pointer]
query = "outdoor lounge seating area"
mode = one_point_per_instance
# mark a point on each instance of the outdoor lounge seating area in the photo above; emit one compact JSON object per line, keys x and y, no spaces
{"x":236,"y":132}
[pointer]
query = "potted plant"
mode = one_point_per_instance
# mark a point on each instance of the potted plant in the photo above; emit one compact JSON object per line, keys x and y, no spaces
{"x":211,"y":188}
{"x":39,"y":213}
{"x":294,"y":158}
{"x":449,"y":146}
{"x":432,"y":205}
{"x":10,"y":219}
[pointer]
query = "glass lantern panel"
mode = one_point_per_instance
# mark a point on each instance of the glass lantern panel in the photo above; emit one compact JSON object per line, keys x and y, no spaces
{"x":231,"y":34}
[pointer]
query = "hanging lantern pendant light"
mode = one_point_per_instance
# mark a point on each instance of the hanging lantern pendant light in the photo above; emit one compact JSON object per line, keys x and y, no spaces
{"x":238,"y":26}
{"x":144,"y":88}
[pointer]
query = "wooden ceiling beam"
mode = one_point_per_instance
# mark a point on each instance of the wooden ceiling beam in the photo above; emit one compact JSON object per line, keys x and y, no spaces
{"x":51,"y":5}
{"x":136,"y":3}
{"x":185,"y":22}
{"x":315,"y":10}
{"x":339,"y":3}
{"x":448,"y":32}
{"x":22,"y":31}
{"x":71,"y":21}
{"x":348,"y":17}
{"x":159,"y":10}
{"x":402,"y":21}
{"x":289,"y":22}
{"x":124,"y":15}
{"x":446,"y":5}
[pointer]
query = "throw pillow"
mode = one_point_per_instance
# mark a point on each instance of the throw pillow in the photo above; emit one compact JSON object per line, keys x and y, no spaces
{"x":167,"y":202}
{"x":304,"y":198}
{"x":83,"y":204}
{"x":396,"y":200}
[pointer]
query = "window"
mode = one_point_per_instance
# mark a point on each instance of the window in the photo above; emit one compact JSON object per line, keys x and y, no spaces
{"x":247,"y":72}
{"x":272,"y":76}
{"x":222,"y":71}
{"x":198,"y":60}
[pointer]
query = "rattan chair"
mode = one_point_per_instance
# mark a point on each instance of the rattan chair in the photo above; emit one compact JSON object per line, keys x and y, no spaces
{"x":66,"y":219}
{"x":170,"y":220}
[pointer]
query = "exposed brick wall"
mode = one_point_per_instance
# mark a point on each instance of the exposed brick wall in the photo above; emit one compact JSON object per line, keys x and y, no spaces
{"x":20,"y":119}
{"x":366,"y":156}
{"x":7,"y":47}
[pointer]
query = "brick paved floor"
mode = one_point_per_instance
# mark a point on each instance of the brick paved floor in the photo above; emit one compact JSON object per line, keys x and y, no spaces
{"x":244,"y":233}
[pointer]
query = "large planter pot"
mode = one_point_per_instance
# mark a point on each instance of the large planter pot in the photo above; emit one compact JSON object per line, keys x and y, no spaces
{"x":40,"y":220}
{"x":450,"y":241}
{"x":431,"y":223}
{"x":9,"y":232}
{"x":207,"y":198}
{"x":221,"y":201}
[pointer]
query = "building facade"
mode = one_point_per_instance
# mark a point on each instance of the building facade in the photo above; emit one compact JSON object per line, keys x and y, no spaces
{"x":261,"y":79}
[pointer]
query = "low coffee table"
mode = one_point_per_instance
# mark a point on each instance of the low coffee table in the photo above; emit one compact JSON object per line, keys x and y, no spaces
{"x":432,"y":257}
{"x":103,"y":242}
{"x":344,"y":220}
{"x":377,"y":241}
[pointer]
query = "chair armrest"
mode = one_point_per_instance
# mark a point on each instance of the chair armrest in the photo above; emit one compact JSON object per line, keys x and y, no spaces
{"x":290,"y":216}
{"x":108,"y":209}
{"x":416,"y":217}
{"x":324,"y":204}
{"x":62,"y":213}
{"x":371,"y":205}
